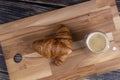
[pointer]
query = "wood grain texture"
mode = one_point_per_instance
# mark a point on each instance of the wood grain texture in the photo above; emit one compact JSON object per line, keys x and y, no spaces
{"x":78,"y":72}
{"x":11,"y":10}
{"x":87,"y":20}
{"x":102,"y":3}
{"x":111,"y":3}
{"x":45,"y":19}
{"x":88,"y":24}
{"x":113,"y":64}
{"x":29,"y":69}
{"x":116,"y":22}
{"x":56,"y":2}
{"x":81,"y":62}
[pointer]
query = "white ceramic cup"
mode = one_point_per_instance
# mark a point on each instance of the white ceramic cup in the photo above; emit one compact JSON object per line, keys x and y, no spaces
{"x":97,"y":42}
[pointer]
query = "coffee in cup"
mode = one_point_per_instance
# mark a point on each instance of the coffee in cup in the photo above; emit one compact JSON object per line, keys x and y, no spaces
{"x":97,"y":42}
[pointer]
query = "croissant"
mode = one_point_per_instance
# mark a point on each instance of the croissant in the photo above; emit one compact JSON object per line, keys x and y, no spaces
{"x":59,"y":47}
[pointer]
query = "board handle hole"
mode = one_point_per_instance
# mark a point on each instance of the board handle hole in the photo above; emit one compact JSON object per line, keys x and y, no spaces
{"x":18,"y":58}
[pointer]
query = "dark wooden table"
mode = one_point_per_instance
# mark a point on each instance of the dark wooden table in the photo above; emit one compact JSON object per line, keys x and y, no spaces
{"x":11,"y":10}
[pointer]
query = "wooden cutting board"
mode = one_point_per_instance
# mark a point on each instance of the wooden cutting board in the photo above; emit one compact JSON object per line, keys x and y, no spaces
{"x":16,"y":37}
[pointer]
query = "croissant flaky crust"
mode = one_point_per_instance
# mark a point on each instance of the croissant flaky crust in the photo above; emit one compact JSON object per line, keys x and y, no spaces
{"x":58,"y":47}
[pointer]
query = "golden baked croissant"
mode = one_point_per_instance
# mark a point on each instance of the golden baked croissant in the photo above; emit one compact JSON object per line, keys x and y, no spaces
{"x":58,"y":47}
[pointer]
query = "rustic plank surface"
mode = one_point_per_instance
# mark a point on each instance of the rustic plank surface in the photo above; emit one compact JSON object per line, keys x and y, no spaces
{"x":90,"y":21}
{"x":13,"y":10}
{"x":29,"y":69}
{"x":60,"y":2}
{"x":10,"y":10}
{"x":13,"y":18}
{"x":46,"y":17}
